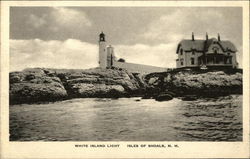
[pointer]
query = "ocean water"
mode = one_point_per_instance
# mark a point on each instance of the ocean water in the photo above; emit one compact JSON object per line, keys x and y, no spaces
{"x":128,"y":119}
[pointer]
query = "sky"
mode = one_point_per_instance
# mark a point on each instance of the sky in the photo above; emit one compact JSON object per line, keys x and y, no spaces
{"x":67,"y":37}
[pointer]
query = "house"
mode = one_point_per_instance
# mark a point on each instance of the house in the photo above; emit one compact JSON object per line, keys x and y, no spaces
{"x":208,"y":53}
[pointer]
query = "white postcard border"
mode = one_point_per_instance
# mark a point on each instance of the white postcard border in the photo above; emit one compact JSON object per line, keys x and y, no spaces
{"x":68,"y":149}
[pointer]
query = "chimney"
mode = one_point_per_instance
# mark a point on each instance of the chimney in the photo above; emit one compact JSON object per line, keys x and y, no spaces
{"x":218,"y":37}
{"x":206,"y":36}
{"x":192,"y":36}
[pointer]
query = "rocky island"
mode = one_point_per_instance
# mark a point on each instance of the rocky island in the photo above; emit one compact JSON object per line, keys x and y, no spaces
{"x":43,"y":85}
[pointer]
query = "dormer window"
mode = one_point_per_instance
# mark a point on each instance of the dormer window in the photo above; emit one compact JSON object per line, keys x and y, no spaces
{"x":215,"y":49}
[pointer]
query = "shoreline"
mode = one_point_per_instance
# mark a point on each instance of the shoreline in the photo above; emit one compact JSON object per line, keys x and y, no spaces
{"x":50,"y":85}
{"x":135,"y":98}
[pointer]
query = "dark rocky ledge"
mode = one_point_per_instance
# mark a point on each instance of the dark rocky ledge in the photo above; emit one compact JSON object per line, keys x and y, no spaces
{"x":191,"y":84}
{"x":44,"y":85}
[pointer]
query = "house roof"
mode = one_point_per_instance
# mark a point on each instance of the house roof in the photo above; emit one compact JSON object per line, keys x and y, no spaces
{"x":203,"y":45}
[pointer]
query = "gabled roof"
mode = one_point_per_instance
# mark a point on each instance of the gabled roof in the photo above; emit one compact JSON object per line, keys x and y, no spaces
{"x":228,"y":45}
{"x":203,"y":45}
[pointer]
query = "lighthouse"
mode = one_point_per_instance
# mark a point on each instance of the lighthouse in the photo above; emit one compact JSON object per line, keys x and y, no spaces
{"x":102,"y":51}
{"x":108,"y":60}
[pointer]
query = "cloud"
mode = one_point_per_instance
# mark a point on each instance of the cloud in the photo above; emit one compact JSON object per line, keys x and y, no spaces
{"x":162,"y":55}
{"x":172,"y":28}
{"x":36,"y":21}
{"x":152,"y":41}
{"x":69,"y":18}
{"x":182,"y":22}
{"x":60,"y":19}
{"x":70,"y":53}
{"x":75,"y":54}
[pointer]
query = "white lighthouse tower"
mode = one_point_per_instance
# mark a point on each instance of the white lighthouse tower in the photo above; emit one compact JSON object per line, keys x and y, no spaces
{"x":102,"y":51}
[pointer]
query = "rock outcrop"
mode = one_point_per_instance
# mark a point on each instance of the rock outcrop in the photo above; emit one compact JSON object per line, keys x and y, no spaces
{"x":182,"y":83}
{"x":37,"y":85}
{"x":34,"y":85}
{"x":102,"y":83}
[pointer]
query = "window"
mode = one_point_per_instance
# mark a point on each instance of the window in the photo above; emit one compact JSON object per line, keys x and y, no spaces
{"x":230,"y":60}
{"x":193,"y":53}
{"x":192,"y":61}
{"x":228,"y":54}
{"x":181,"y":62}
{"x":181,"y":51}
{"x":225,"y":60}
{"x":215,"y":49}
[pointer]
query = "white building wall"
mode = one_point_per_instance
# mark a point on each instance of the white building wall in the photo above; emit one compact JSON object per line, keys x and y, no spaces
{"x":138,"y":68}
{"x":182,"y":58}
{"x":102,"y":54}
{"x":185,"y":59}
{"x":189,"y":55}
{"x":178,"y":63}
{"x":110,"y":52}
{"x":234,"y":60}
